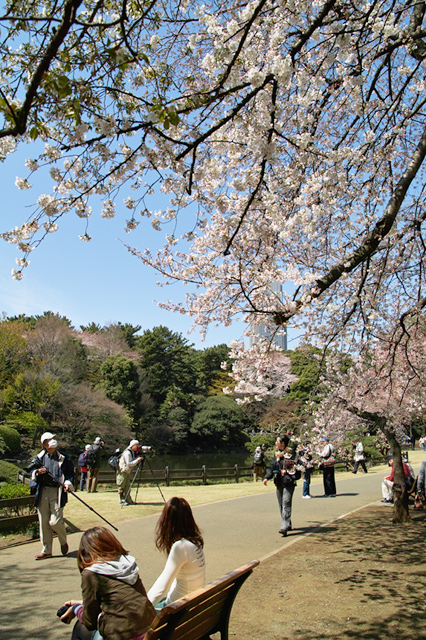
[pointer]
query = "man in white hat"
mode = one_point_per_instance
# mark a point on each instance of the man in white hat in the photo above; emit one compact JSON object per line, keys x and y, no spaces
{"x":127,"y":462}
{"x":45,"y":438}
{"x":53,"y":480}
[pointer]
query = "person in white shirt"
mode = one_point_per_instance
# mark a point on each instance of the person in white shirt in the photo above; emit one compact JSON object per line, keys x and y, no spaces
{"x":359,"y":457}
{"x":328,"y":462}
{"x":185,"y":570}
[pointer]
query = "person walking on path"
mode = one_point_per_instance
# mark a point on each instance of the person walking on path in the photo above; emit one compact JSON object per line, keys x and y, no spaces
{"x":128,"y":461}
{"x":359,"y":457}
{"x":328,"y":462}
{"x":285,"y":474}
{"x":94,"y":465}
{"x":53,"y":479}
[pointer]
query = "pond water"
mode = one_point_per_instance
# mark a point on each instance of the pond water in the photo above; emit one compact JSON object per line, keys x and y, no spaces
{"x":196,"y":461}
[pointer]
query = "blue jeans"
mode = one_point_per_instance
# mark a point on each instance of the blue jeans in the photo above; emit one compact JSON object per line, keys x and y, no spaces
{"x":307,"y":482}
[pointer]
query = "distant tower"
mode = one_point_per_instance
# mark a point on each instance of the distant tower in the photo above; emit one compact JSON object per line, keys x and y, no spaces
{"x":262,"y":331}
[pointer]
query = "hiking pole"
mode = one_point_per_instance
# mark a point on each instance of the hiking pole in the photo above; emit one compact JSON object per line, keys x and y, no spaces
{"x":61,"y":484}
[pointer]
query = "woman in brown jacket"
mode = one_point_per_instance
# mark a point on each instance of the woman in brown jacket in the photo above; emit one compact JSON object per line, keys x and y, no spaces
{"x":115,"y":605}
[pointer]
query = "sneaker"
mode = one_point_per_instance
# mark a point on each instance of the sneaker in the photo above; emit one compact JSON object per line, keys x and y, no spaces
{"x":306,"y":497}
{"x":386,"y":501}
{"x":124,"y":503}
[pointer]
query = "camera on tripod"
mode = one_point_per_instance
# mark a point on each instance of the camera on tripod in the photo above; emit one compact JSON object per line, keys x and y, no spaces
{"x":143,"y":450}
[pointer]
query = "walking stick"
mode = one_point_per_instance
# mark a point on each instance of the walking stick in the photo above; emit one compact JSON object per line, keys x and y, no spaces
{"x":89,"y":507}
{"x":36,"y":465}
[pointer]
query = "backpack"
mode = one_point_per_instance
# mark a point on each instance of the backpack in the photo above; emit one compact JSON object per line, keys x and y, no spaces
{"x":257,"y":457}
{"x":82,"y":461}
{"x":113,"y":461}
{"x":91,"y":457}
{"x":409,"y":481}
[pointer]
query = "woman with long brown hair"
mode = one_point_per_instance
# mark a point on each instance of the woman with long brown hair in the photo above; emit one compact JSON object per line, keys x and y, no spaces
{"x":179,"y":536}
{"x":115,"y":604}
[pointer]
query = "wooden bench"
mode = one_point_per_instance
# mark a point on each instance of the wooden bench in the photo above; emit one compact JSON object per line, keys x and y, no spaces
{"x":203,"y":612}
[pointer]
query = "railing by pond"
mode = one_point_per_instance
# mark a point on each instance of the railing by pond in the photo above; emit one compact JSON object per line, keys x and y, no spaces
{"x":168,"y":475}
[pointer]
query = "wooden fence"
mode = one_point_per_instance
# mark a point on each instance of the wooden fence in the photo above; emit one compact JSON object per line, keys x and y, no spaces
{"x":168,"y":475}
{"x":10,"y":509}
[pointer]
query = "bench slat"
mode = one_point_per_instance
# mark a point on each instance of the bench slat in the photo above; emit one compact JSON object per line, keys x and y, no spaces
{"x":203,"y":617}
{"x":203,"y":612}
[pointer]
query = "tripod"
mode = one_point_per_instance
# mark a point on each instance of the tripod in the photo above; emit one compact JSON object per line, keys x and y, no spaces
{"x":137,"y":475}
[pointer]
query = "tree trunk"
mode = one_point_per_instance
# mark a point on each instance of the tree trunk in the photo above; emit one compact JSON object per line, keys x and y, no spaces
{"x":400,"y":495}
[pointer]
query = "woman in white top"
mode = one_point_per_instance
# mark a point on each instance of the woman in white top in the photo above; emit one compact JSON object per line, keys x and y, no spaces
{"x":179,"y":536}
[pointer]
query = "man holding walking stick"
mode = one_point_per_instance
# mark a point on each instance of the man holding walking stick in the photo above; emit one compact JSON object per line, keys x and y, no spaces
{"x":128,"y":461}
{"x":53,"y":478}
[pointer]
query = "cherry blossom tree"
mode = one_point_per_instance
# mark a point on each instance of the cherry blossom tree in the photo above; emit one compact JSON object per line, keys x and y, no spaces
{"x":382,"y":390}
{"x":288,"y":136}
{"x":259,"y":372}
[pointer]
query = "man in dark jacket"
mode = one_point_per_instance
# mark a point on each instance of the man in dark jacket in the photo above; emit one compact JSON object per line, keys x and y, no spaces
{"x":285,"y":474}
{"x":53,"y":480}
{"x":93,"y":465}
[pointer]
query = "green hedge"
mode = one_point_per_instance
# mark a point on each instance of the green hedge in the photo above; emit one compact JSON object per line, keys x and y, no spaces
{"x":11,"y":438}
{"x":8,"y":472}
{"x":14,"y":491}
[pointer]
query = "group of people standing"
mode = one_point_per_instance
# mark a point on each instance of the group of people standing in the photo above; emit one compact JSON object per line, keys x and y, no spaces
{"x":115,"y":603}
{"x":52,"y":478}
{"x":89,"y":462}
{"x":286,"y":469}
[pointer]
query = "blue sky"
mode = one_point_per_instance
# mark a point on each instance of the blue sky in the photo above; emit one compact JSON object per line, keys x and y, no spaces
{"x":98,"y":281}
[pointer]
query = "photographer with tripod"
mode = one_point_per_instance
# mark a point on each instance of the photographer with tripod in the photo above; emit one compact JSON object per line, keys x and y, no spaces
{"x":128,"y":461}
{"x":53,"y":475}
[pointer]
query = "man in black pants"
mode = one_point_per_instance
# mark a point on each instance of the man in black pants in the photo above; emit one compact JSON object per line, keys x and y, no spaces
{"x":328,"y":462}
{"x":93,"y":465}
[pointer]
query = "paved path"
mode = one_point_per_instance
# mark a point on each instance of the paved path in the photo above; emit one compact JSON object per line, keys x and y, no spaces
{"x":235,"y":532}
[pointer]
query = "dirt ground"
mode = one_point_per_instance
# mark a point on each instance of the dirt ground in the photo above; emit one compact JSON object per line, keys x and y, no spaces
{"x":360,"y":577}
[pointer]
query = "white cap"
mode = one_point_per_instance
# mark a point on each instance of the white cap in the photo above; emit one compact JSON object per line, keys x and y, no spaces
{"x":52,"y":444}
{"x":133,"y":442}
{"x":98,"y":440}
{"x":87,"y":447}
{"x":47,"y":436}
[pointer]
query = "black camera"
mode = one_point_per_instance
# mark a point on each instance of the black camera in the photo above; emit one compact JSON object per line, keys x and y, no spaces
{"x":60,"y":612}
{"x":35,"y":463}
